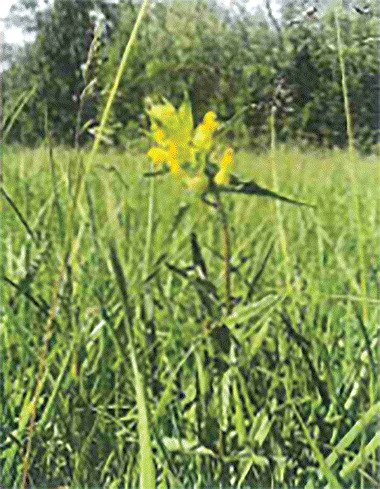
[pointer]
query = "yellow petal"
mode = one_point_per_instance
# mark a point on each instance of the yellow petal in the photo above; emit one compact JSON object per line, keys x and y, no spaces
{"x":176,"y":168}
{"x":159,"y":136}
{"x":227,"y":160}
{"x":222,"y":178}
{"x":173,"y":161}
{"x":173,"y":151}
{"x":210,"y":122}
{"x":205,"y":131}
{"x":226,"y":163}
{"x":158,"y":155}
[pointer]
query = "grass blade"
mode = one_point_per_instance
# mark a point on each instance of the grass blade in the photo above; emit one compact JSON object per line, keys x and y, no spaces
{"x":356,"y":430}
{"x":362,"y":456}
{"x":325,"y":469}
{"x":147,"y":468}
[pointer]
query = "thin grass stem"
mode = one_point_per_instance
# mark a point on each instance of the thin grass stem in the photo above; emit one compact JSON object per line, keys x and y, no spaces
{"x":226,"y":252}
{"x":277,"y":204}
{"x":351,"y":166}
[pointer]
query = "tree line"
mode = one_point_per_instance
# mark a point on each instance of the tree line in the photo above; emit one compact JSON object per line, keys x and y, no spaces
{"x":241,"y":63}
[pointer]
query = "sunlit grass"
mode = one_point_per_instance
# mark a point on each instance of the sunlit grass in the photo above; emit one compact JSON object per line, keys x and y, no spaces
{"x":86,"y":423}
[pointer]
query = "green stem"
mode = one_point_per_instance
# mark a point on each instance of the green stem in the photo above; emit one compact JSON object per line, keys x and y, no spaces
{"x":149,"y":229}
{"x":226,"y":252}
{"x":147,"y":467}
{"x":117,"y":80}
{"x":351,"y":168}
{"x":72,"y":245}
{"x":280,"y":222}
{"x":346,"y":102}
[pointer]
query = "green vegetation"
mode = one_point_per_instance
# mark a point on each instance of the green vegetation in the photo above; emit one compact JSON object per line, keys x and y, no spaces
{"x":198,"y":305}
{"x":228,"y":61}
{"x":294,"y":406}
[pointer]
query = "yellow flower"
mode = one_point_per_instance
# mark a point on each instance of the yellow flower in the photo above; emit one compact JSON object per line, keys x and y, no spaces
{"x":210,"y":122}
{"x":181,"y":147}
{"x":226,"y":163}
{"x":173,"y":161}
{"x":205,"y":132}
{"x":158,"y":155}
{"x":170,"y":126}
{"x":158,"y":134}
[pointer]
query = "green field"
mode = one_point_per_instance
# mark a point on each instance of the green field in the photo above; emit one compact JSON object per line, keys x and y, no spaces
{"x":259,"y":397}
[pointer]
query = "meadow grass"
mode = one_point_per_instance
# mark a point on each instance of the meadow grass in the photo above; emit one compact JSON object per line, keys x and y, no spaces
{"x":294,"y":403}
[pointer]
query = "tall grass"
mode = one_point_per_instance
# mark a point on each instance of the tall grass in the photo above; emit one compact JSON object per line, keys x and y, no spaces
{"x":152,"y":378}
{"x":353,"y":159}
{"x":71,"y":246}
{"x":276,"y":203}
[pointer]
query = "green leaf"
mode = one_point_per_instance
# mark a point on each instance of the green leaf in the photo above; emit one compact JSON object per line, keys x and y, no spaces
{"x":243,"y":314}
{"x":179,"y":445}
{"x":358,"y":428}
{"x":362,"y":456}
{"x":259,"y":273}
{"x":252,"y":188}
{"x":181,"y":213}
{"x":258,"y":339}
{"x":254,"y":459}
{"x":57,"y":384}
{"x":332,"y":480}
{"x":263,"y":429}
{"x":157,"y":173}
{"x":198,"y":259}
{"x":239,"y":415}
{"x":168,"y":395}
{"x":148,"y":471}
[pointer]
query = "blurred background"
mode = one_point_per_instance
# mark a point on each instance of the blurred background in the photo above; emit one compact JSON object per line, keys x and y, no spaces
{"x":232,"y":56}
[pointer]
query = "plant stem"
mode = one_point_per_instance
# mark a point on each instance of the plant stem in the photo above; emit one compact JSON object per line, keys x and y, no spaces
{"x":72,"y":245}
{"x":226,"y":251}
{"x":117,"y":80}
{"x":351,"y":168}
{"x":147,"y":467}
{"x":280,"y":223}
{"x":346,"y":102}
{"x":149,"y":229}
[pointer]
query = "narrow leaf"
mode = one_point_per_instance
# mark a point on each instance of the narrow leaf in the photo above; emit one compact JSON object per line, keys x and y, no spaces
{"x":252,"y":188}
{"x":362,"y":456}
{"x":148,"y":471}
{"x":332,"y":480}
{"x":198,"y":259}
{"x":259,"y":273}
{"x":372,"y":414}
{"x":239,"y":415}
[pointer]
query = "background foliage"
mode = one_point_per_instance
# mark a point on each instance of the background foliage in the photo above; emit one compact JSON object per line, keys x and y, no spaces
{"x":228,"y":59}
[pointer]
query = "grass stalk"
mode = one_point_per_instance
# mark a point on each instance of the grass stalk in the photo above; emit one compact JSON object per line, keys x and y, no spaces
{"x":71,"y":247}
{"x":41,"y":376}
{"x":81,"y":175}
{"x":17,"y":112}
{"x":351,"y":167}
{"x":277,"y":204}
{"x":149,"y":229}
{"x":372,"y":414}
{"x":147,"y":468}
{"x":226,"y":252}
{"x":325,"y":469}
{"x":117,"y":80}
